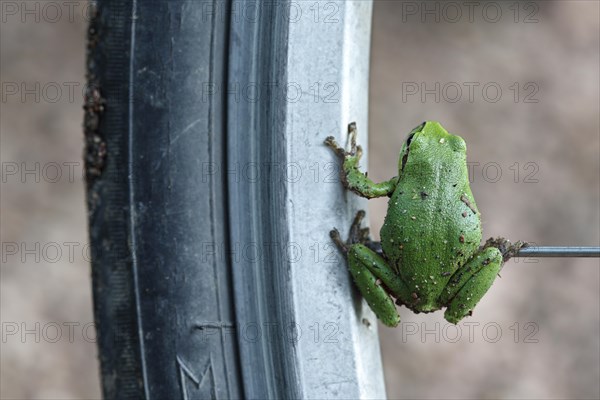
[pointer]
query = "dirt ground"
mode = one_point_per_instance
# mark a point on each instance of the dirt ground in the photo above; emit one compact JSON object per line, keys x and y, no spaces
{"x":532,"y":129}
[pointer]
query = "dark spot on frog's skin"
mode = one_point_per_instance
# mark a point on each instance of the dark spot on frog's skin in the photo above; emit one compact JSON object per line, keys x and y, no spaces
{"x":464,"y":199}
{"x":366,"y":322}
{"x":424,"y":195}
{"x":464,"y":214}
{"x":455,"y":185}
{"x":461,"y":238}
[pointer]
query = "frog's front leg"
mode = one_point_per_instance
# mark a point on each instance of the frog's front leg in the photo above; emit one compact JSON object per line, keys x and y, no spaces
{"x":352,"y":178}
{"x":469,"y":283}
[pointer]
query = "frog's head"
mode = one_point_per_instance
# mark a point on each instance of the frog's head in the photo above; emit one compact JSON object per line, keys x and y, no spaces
{"x":429,"y":142}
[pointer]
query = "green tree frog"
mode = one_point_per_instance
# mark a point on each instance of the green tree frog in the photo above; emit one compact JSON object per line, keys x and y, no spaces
{"x":431,"y":235}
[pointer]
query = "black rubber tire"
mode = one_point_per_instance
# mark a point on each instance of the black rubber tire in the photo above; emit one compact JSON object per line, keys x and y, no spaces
{"x":170,"y":129}
{"x":162,"y":285}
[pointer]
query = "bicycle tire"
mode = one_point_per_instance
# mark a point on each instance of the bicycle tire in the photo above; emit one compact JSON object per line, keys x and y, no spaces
{"x":171,"y":300}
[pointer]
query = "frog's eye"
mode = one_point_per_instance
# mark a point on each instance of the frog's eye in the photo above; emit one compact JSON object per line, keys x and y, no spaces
{"x":409,"y":139}
{"x":412,"y":134}
{"x":458,"y":143}
{"x":417,"y":129}
{"x":406,"y":148}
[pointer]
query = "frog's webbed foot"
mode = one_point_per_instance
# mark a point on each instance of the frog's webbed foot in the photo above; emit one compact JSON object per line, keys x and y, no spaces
{"x":355,"y":236}
{"x":352,"y":151}
{"x":508,"y":249}
{"x":334,"y":234}
{"x":358,"y":234}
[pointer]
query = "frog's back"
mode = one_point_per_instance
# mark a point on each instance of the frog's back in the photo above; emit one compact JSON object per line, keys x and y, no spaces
{"x":432,"y":225}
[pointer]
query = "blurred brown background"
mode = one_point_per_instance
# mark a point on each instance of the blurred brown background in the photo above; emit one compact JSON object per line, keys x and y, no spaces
{"x":547,"y":52}
{"x":558,"y":54}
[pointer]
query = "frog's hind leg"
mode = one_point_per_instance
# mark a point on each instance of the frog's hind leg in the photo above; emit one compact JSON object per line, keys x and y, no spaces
{"x":468,"y":285}
{"x":375,"y":280}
